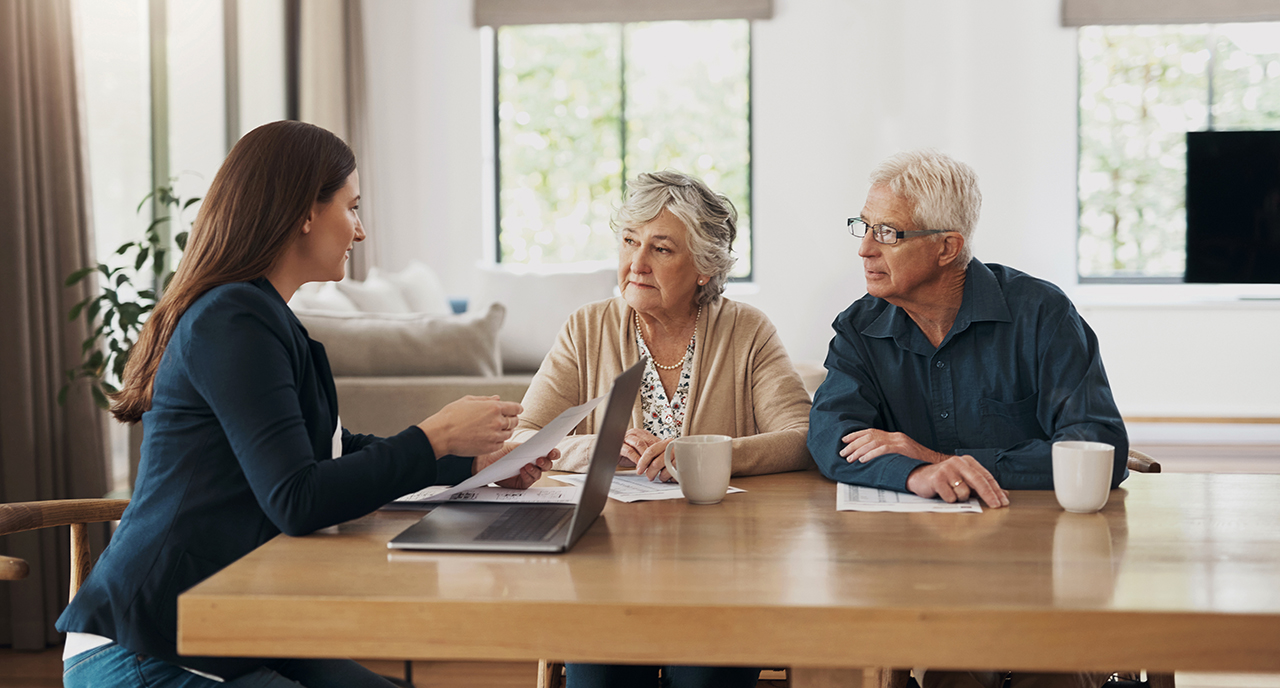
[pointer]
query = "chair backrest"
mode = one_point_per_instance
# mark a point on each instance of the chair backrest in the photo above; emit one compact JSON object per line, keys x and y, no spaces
{"x":1142,"y":463}
{"x":77,"y":513}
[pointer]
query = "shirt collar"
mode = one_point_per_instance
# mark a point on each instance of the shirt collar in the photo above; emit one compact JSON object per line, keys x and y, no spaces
{"x":983,"y":301}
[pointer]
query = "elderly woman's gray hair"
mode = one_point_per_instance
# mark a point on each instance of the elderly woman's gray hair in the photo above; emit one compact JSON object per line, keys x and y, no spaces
{"x":709,"y":217}
{"x":943,"y":192}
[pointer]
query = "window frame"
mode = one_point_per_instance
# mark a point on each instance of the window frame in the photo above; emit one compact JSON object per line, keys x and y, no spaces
{"x":496,"y":93}
{"x":1211,"y":93}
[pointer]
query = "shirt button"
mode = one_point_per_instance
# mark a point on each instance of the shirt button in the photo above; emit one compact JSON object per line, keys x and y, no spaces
{"x":940,"y":364}
{"x":944,"y":414}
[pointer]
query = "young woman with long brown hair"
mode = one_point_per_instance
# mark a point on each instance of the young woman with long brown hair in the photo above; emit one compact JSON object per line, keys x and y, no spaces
{"x":240,"y":418}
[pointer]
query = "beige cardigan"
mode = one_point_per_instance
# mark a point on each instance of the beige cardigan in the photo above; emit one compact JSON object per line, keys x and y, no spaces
{"x":743,"y":385}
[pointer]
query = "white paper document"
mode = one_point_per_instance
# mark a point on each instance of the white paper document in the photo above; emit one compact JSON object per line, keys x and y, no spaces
{"x":538,"y":445}
{"x":629,"y":487}
{"x":533,"y":495}
{"x":859,"y":498}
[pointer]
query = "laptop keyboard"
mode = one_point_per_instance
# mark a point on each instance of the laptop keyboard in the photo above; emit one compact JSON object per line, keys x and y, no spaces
{"x":525,"y":524}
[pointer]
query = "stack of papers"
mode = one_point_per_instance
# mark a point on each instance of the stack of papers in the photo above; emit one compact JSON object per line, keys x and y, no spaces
{"x":629,"y":487}
{"x":858,"y":498}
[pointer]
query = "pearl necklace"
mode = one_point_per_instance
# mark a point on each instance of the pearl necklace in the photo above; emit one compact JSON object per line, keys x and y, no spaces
{"x":640,"y":333}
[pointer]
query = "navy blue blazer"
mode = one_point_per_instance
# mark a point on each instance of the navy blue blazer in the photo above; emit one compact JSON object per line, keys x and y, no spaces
{"x":236,"y":450}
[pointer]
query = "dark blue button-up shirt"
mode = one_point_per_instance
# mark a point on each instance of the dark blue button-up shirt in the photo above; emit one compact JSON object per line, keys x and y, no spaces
{"x":1019,"y":370}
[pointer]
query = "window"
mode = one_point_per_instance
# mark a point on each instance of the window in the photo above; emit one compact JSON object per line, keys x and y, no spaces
{"x":582,"y":107}
{"x":1141,"y":89}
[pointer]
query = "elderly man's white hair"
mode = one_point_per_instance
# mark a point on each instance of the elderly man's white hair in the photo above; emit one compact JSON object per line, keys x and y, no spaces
{"x":943,"y":192}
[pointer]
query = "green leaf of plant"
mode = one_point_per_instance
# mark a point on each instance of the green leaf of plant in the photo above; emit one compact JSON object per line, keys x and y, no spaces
{"x":190,"y":202}
{"x":144,"y":201}
{"x":181,"y":240}
{"x":155,"y":224}
{"x":75,"y":310}
{"x":141,"y":259}
{"x":62,"y":396}
{"x":77,"y":276}
{"x":99,"y":398}
{"x":111,"y":389}
{"x":94,"y":308}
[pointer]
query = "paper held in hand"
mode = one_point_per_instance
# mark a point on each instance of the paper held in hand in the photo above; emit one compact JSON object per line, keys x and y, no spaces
{"x":858,"y":498}
{"x":538,"y":445}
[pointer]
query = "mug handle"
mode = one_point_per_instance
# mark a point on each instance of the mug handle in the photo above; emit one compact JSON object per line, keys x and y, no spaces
{"x":669,"y":457}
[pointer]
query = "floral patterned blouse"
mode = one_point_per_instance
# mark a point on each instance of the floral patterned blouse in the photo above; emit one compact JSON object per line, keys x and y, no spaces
{"x":663,"y":417}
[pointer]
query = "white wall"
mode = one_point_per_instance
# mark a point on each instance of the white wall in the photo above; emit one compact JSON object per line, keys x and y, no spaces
{"x":838,"y":86}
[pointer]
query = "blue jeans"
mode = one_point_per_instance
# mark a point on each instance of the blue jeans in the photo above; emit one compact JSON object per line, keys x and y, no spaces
{"x":113,"y":666}
{"x":620,"y":676}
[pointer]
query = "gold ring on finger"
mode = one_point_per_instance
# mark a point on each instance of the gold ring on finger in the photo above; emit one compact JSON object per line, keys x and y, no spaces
{"x":957,"y":483}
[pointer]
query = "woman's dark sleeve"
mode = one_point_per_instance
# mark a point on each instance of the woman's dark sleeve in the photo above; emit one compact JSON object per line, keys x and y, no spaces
{"x":240,"y":359}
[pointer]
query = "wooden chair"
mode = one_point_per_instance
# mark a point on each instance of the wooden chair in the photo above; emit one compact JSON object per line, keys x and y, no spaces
{"x":1142,"y":463}
{"x":77,"y":513}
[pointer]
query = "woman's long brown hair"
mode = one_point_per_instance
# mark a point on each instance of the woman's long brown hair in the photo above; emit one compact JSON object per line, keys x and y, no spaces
{"x":256,"y":206}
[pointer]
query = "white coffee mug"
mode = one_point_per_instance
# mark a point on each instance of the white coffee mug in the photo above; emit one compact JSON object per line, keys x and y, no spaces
{"x":702,"y":464}
{"x":1082,"y":475}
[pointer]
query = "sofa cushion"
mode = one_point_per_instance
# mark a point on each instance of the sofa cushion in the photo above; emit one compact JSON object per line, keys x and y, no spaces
{"x":322,"y":296}
{"x":389,"y":344}
{"x":420,"y":287}
{"x":538,"y":302}
{"x":375,"y":294}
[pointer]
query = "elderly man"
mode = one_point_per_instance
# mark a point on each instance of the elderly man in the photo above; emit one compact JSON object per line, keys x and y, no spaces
{"x":951,"y":377}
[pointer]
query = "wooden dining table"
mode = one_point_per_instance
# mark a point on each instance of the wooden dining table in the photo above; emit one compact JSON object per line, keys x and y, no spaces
{"x":1177,"y":572}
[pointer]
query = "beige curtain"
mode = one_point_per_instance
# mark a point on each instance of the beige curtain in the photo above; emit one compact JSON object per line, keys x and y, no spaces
{"x":47,"y":451}
{"x":331,"y":94}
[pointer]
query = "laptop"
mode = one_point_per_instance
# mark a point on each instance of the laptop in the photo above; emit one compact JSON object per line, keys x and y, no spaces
{"x":543,"y":528}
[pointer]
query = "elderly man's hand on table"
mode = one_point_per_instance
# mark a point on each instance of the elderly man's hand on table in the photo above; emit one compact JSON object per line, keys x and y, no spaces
{"x":955,"y":479}
{"x":865,"y":445}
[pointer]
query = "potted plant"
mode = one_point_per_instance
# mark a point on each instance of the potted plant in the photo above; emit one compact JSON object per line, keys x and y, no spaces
{"x":129,"y":292}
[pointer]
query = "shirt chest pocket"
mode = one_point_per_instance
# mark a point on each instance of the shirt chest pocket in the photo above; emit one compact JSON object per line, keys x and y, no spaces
{"x":1006,"y":423}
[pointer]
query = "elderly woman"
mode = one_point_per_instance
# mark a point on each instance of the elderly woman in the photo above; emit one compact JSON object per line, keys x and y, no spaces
{"x":714,"y":366}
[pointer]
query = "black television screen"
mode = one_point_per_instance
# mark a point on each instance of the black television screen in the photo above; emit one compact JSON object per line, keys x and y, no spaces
{"x":1233,"y":207}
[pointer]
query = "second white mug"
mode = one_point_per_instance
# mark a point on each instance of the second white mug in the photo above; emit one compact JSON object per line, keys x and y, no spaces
{"x":702,"y":464}
{"x":1082,"y":475}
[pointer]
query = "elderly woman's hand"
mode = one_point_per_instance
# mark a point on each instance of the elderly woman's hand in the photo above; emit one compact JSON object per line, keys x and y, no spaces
{"x":634,"y":444}
{"x":653,"y":463}
{"x":527,"y":475}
